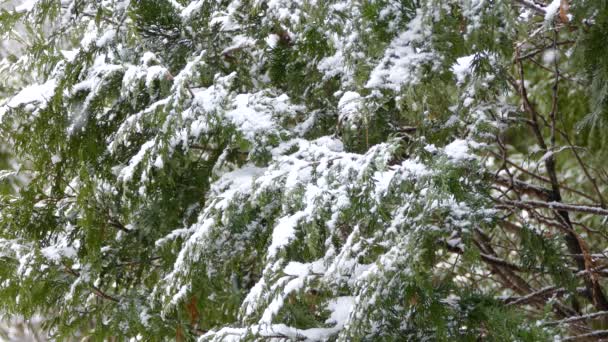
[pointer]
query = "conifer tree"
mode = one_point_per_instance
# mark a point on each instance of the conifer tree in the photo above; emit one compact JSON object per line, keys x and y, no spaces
{"x":342,"y":170}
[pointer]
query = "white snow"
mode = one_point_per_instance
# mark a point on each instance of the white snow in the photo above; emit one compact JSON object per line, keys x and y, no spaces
{"x":272,"y":40}
{"x":451,"y":300}
{"x":106,"y":38}
{"x":332,"y":65}
{"x":383,"y":180}
{"x":297,"y":269}
{"x":226,"y":23}
{"x":549,"y":56}
{"x":340,"y":308}
{"x":155,"y":72}
{"x":239,"y":41}
{"x":402,"y":61}
{"x":55,"y":252}
{"x":551,"y":10}
{"x":35,"y":93}
{"x":179,"y":295}
{"x":284,"y":232}
{"x":126,"y":174}
{"x":331,"y":143}
{"x":192,"y":8}
{"x":458,"y":150}
{"x":273,"y":308}
{"x":26,"y":6}
{"x":70,"y":55}
{"x":148,"y":58}
{"x":247,"y":118}
{"x":350,"y":105}
{"x":431,"y":148}
{"x":236,"y":182}
{"x":414,"y":167}
{"x":463,"y":67}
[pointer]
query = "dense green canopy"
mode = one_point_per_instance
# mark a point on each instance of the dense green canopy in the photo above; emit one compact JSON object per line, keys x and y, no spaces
{"x":420,"y":170}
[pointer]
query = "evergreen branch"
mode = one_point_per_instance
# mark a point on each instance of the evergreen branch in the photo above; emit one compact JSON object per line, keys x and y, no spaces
{"x":541,"y":178}
{"x":491,"y":259}
{"x":544,"y":293}
{"x":528,"y":4}
{"x":137,"y":262}
{"x":563,"y":76}
{"x":575,"y":244}
{"x":577,"y":319}
{"x":524,"y":187}
{"x":120,"y":226}
{"x":97,"y":291}
{"x":544,"y":48}
{"x":585,"y":170}
{"x":592,"y":335}
{"x":554,"y":206}
{"x":103,"y":295}
{"x":596,"y":270}
{"x":232,"y":226}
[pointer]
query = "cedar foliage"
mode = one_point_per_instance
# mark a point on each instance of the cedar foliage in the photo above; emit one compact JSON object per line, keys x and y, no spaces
{"x":305,"y":170}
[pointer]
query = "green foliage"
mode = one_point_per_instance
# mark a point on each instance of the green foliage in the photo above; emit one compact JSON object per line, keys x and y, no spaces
{"x":335,"y":170}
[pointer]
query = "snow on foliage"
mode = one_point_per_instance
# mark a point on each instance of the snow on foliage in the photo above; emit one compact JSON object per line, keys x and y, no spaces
{"x":269,"y":170}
